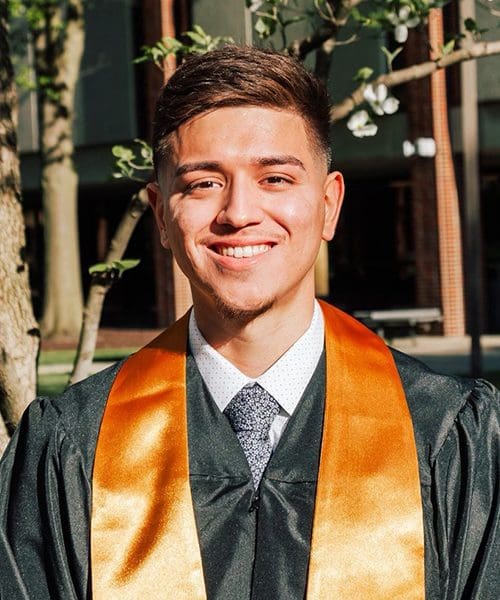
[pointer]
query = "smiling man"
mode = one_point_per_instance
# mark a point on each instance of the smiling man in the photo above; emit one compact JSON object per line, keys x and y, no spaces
{"x":244,"y":200}
{"x":266,"y":446}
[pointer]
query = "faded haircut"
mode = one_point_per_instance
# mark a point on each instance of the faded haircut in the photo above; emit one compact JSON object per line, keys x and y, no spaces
{"x":236,"y":76}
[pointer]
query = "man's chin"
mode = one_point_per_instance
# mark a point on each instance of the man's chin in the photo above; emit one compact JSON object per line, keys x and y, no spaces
{"x":241,"y":315}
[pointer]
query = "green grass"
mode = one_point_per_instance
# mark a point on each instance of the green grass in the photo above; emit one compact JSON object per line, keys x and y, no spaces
{"x":52,"y":384}
{"x":54,"y":357}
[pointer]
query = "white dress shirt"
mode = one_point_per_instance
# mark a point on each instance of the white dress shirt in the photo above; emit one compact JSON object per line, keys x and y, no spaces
{"x":286,"y":380}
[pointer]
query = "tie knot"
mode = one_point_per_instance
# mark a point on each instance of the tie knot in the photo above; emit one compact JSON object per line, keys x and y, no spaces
{"x":252,"y":409}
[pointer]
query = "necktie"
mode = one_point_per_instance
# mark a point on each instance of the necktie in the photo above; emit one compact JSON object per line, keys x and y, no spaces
{"x":251,"y":413}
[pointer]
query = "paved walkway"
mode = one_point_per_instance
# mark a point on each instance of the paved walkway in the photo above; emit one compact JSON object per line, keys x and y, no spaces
{"x":107,"y":337}
{"x":451,"y":354}
{"x":443,"y":354}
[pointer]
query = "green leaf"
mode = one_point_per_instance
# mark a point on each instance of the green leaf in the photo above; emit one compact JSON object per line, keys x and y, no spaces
{"x":159,"y":51}
{"x":362,"y":19}
{"x":199,"y":30}
{"x":265,"y":27}
{"x":44,"y":80}
{"x":100,"y":268}
{"x":448,"y":47}
{"x":197,"y":38}
{"x":116,"y":268}
{"x":125,"y":264}
{"x":146,"y":153}
{"x":16,"y":9}
{"x":470,"y":25}
{"x":122,"y":152}
{"x":52,"y":94}
{"x":363,"y":74}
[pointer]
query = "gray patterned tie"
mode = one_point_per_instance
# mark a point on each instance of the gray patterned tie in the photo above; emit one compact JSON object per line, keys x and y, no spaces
{"x":251,"y":413}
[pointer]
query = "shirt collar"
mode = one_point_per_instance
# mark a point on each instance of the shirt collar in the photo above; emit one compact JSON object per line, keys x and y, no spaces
{"x":286,"y":380}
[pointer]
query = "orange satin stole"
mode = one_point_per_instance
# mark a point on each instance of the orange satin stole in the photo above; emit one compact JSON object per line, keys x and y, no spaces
{"x":367,"y":539}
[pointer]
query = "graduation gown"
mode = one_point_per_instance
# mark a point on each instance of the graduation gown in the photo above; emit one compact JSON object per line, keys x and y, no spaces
{"x":46,"y":475}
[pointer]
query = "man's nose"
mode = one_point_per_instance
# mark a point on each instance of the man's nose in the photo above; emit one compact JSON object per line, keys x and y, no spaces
{"x":241,"y":205}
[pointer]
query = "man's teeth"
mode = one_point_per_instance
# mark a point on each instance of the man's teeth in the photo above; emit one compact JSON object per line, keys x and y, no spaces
{"x":243,"y":251}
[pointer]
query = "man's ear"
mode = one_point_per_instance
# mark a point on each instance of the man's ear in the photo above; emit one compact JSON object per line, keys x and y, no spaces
{"x":333,"y":197}
{"x":158,"y":206}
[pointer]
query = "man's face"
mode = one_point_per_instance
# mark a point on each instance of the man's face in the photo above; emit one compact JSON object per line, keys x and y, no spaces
{"x":244,"y":202}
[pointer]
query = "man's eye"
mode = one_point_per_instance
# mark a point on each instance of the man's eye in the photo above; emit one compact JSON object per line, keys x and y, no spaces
{"x":277,"y":180}
{"x":203,"y":185}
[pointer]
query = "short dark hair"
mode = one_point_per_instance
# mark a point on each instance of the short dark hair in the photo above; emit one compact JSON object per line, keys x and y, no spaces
{"x":235,"y":76}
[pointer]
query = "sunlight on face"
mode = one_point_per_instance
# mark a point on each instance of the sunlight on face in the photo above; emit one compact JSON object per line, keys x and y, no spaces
{"x":244,"y":204}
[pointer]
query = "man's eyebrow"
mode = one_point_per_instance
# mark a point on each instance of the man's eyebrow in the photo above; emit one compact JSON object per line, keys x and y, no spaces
{"x":282,"y":159}
{"x":197,"y":166}
{"x":263,"y":161}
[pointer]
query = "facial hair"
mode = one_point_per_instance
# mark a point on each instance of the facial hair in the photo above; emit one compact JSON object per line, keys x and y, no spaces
{"x":241,"y":316}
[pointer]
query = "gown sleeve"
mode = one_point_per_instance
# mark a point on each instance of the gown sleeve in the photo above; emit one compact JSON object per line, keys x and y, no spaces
{"x":45,"y":494}
{"x":465,"y":495}
{"x":44,"y":511}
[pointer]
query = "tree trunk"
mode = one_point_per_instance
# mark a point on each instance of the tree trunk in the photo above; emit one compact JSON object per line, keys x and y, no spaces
{"x":19,"y":336}
{"x":63,"y":305}
{"x":58,"y":52}
{"x":101,"y":284}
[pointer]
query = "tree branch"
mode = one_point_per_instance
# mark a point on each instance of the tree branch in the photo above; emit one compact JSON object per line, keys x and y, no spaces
{"x":299,"y":49}
{"x":479,"y":50}
{"x":99,"y":287}
{"x":324,"y":59}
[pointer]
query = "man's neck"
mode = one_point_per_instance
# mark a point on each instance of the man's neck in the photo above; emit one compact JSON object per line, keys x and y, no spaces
{"x":254,"y":346}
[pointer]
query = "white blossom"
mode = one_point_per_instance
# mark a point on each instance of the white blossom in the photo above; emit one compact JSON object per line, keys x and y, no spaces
{"x":379,"y":99}
{"x":361,"y":125}
{"x":390,"y":105}
{"x":402,"y":21}
{"x":401,"y":33}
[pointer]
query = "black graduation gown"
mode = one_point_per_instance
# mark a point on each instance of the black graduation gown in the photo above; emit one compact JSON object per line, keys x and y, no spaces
{"x":46,"y":474}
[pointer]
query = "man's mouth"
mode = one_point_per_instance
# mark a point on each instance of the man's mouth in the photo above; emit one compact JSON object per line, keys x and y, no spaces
{"x":242,"y":251}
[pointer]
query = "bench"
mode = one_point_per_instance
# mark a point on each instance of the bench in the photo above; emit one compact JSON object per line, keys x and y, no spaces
{"x":409,"y":318}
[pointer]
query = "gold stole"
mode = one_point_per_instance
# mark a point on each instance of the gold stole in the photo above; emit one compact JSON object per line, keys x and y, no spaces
{"x":367,"y":539}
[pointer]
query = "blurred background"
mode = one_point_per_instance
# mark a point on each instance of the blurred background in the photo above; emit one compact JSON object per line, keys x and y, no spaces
{"x":415,"y":91}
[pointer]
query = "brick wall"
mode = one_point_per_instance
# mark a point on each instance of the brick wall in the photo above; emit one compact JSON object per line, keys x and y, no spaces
{"x":450,"y":243}
{"x":438,"y":246}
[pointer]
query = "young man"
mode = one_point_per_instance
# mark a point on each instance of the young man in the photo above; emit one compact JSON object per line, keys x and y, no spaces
{"x":264,"y":446}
